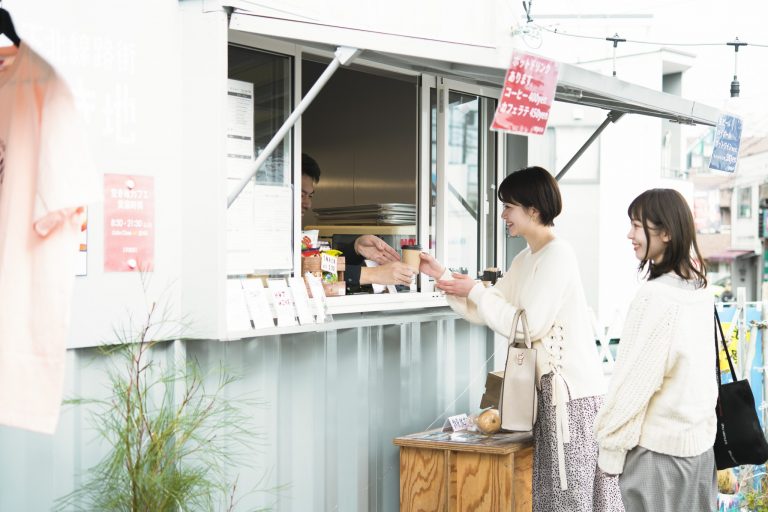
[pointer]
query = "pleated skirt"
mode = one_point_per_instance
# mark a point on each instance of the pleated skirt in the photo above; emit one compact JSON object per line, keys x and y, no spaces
{"x":662,"y":483}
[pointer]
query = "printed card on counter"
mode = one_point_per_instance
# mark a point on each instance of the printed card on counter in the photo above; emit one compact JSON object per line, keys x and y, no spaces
{"x":318,"y":296}
{"x":237,"y":311}
{"x":258,"y":303}
{"x":457,"y":423}
{"x":301,"y":300}
{"x":282,"y":301}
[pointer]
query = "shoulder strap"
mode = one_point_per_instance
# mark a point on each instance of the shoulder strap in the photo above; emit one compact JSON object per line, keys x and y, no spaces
{"x":719,"y":327}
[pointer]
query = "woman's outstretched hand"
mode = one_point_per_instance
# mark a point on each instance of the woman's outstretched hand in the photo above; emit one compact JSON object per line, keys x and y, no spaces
{"x":460,"y":285}
{"x":430,"y":266}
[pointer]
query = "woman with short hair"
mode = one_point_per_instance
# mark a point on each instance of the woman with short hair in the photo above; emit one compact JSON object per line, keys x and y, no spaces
{"x":544,"y":280}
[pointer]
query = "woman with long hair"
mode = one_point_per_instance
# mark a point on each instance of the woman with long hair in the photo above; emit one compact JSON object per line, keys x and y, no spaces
{"x":544,"y":280}
{"x":657,"y":426}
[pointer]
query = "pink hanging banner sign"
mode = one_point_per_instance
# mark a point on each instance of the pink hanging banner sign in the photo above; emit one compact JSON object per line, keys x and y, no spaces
{"x":529,"y":90}
{"x":129,"y":223}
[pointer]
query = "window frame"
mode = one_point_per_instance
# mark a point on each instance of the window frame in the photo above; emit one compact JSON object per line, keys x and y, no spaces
{"x":744,"y":191}
{"x":491,"y":164}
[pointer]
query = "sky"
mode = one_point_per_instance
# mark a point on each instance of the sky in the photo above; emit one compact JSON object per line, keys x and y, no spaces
{"x":671,"y":23}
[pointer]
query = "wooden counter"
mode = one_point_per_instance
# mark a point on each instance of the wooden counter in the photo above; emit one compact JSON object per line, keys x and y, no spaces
{"x":461,"y":472}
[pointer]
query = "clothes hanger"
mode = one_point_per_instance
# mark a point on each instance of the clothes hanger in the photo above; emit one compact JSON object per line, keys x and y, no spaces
{"x":7,"y":28}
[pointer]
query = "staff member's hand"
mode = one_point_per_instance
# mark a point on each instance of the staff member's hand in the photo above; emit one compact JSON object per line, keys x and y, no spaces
{"x":460,"y":285}
{"x":430,"y":266}
{"x":390,"y":273}
{"x":375,"y":249}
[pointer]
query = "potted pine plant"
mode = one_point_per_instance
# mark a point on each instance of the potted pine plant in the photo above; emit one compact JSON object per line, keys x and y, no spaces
{"x":172,"y":436}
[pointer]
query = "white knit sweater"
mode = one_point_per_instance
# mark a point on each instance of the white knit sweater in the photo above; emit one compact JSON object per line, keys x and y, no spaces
{"x":547,"y":284}
{"x":663,"y":391}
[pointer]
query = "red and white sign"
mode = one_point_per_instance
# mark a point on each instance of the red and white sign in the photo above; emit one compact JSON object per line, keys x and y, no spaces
{"x":529,"y":90}
{"x":129,"y":223}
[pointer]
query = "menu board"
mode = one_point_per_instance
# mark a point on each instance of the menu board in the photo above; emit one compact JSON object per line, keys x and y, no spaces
{"x":273,"y":228}
{"x":240,"y":220}
{"x":527,"y":95}
{"x":259,"y":221}
{"x":725,"y":153}
{"x":239,"y":125}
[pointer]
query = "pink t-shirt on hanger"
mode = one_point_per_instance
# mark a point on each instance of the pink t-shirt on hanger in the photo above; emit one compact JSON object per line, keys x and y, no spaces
{"x":46,"y":180}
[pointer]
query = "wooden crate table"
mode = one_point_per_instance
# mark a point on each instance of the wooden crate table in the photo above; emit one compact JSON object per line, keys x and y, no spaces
{"x":461,"y":472}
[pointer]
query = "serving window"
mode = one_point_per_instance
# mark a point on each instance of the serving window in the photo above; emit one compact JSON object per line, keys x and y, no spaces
{"x":362,"y":130}
{"x":463,"y":231}
{"x":405,"y":156}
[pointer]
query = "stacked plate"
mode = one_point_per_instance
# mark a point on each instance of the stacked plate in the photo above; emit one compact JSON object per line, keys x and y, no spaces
{"x":384,"y":214}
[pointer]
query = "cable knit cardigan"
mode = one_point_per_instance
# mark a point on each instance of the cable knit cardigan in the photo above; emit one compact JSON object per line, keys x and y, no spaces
{"x":663,"y":391}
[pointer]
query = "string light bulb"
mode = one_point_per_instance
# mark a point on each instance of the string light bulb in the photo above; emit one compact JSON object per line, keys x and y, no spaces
{"x":735,"y":82}
{"x":616,"y":40}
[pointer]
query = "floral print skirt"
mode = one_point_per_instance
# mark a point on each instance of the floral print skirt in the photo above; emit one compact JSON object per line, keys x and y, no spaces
{"x":589,"y":489}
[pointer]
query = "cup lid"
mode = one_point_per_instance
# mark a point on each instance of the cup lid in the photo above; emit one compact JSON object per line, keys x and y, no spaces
{"x":411,"y":247}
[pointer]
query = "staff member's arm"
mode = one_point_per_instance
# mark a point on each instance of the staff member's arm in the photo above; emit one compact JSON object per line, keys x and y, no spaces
{"x":390,"y":273}
{"x":370,"y":247}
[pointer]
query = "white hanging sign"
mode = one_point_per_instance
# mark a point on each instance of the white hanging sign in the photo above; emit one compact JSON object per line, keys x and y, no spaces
{"x":282,"y":300}
{"x":301,"y":300}
{"x":258,"y":304}
{"x":318,"y":296}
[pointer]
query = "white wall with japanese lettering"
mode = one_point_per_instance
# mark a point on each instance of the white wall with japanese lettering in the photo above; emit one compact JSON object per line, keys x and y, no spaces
{"x":147,"y":77}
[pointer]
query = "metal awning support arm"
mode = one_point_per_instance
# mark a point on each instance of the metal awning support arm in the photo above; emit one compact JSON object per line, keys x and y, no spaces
{"x":612,"y":117}
{"x":343,"y":56}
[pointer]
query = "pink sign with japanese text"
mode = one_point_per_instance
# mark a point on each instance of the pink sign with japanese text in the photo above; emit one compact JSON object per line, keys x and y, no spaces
{"x":129,"y":223}
{"x":529,"y":89}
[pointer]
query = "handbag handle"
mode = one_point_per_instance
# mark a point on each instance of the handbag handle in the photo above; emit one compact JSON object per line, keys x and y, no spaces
{"x":719,"y":327}
{"x":520,"y":316}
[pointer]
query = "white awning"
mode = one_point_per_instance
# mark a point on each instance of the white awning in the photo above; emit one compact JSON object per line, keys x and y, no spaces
{"x":575,"y":84}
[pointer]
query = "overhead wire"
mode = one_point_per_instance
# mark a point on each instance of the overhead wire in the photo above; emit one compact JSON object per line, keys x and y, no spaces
{"x":559,"y":32}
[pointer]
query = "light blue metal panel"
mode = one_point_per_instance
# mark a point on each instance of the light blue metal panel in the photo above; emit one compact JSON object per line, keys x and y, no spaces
{"x":327,"y":406}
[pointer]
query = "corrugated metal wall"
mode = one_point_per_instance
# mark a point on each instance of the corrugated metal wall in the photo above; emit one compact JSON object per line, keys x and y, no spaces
{"x":330,"y":405}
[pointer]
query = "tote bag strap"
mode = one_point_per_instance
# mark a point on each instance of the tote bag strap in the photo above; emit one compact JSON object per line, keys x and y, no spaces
{"x":520,"y":316}
{"x":717,"y":357}
{"x":526,"y":330}
{"x":513,"y":331}
{"x":719,"y":327}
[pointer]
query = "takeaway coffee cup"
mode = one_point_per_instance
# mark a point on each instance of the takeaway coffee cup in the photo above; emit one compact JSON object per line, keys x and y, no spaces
{"x":411,"y":256}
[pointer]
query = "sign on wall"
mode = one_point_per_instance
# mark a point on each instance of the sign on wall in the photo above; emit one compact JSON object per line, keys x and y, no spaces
{"x":725,"y":152}
{"x":129,"y":223}
{"x":527,"y":96}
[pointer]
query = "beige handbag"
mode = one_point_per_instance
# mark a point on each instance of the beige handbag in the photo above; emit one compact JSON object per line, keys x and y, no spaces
{"x":518,"y":390}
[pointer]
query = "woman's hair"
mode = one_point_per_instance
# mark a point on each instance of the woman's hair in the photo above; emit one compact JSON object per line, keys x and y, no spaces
{"x":533,"y":187}
{"x":669,"y":213}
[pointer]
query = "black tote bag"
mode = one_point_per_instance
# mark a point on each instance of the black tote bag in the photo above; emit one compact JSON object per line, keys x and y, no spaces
{"x":740,"y":439}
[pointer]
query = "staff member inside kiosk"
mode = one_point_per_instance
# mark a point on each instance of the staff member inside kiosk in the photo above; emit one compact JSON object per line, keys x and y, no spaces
{"x":390,"y":270}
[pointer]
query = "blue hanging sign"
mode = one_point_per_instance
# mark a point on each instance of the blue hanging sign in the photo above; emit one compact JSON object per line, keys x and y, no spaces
{"x":725,"y":152}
